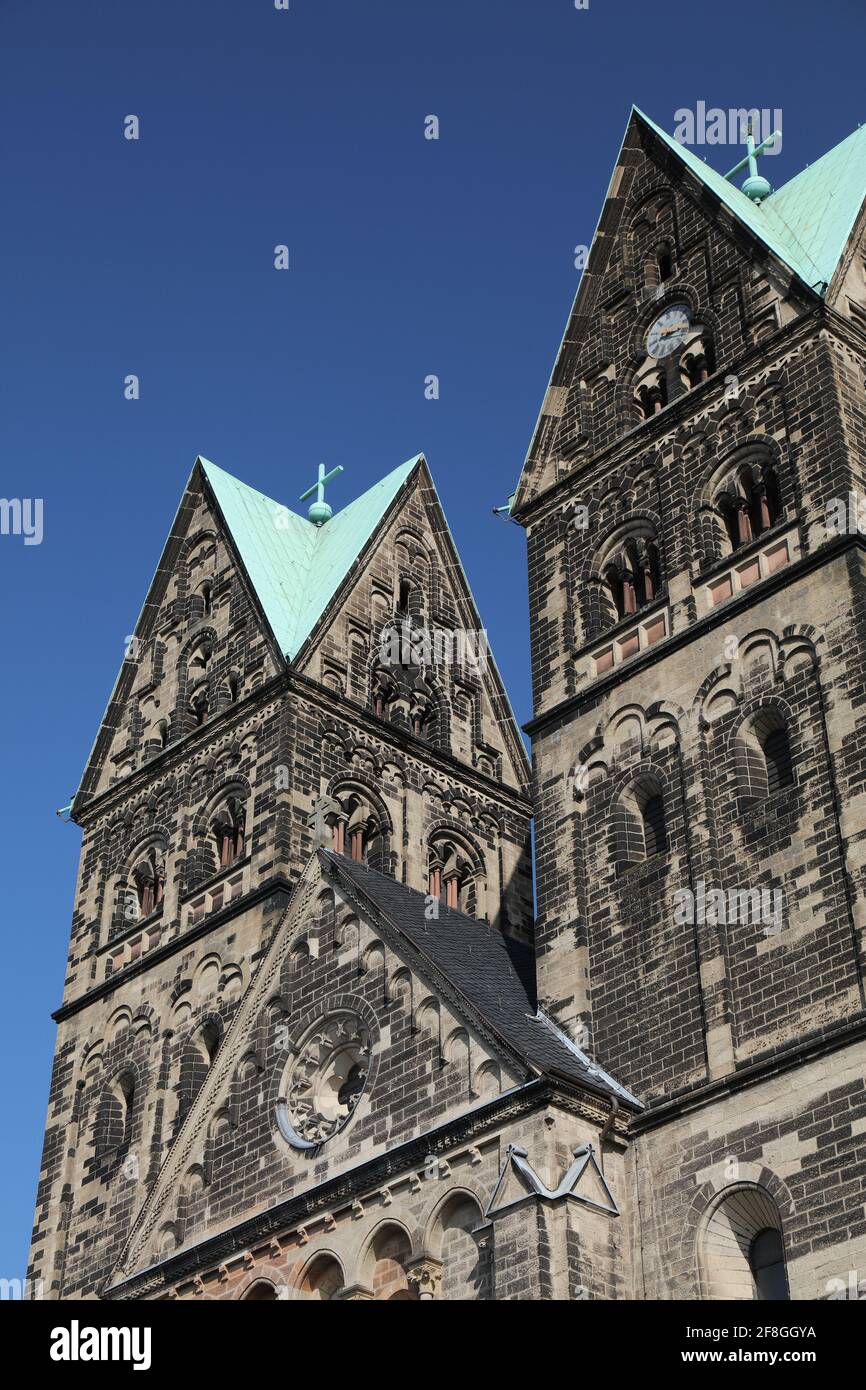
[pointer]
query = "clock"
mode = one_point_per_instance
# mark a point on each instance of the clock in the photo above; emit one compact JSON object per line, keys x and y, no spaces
{"x":667,"y":333}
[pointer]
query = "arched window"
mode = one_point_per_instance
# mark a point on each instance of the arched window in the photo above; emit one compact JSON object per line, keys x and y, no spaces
{"x":658,"y":266}
{"x":385,"y":1266}
{"x":114,"y":1116}
{"x":632,"y":576}
{"x":228,"y":831}
{"x":741,"y":1246}
{"x":640,"y":824}
{"x":404,"y":591}
{"x":749,"y":502}
{"x":199,"y":704}
{"x":422,"y":708}
{"x":201,"y":601}
{"x":209,"y":1040}
{"x":323,"y":1279}
{"x":125,"y":1091}
{"x":767,"y":1263}
{"x":385,"y":690}
{"x":698,"y":363}
{"x":148,"y":882}
{"x":451,"y":876}
{"x":763,"y":754}
{"x":357,"y":829}
{"x":261,"y":1291}
{"x":196,"y":1061}
{"x":652,"y":393}
{"x":465,"y":1262}
{"x":199,"y":659}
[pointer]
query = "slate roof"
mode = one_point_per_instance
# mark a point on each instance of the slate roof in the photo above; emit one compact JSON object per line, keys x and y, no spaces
{"x":493,"y":973}
{"x":294,"y":566}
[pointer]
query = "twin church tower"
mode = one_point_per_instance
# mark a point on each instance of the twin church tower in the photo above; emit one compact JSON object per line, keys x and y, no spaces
{"x":314,"y":1042}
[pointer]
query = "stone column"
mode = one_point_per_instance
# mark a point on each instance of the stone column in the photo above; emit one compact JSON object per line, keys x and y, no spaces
{"x":425,"y":1277}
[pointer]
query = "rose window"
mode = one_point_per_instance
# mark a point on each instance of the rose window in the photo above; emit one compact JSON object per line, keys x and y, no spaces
{"x":326,"y":1079}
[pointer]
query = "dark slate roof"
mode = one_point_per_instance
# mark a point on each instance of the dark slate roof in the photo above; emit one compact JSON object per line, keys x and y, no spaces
{"x":494,"y":974}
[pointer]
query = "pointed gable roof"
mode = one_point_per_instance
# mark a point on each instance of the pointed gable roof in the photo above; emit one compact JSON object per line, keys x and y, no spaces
{"x":294,"y":570}
{"x":806,"y":224}
{"x":295,"y":567}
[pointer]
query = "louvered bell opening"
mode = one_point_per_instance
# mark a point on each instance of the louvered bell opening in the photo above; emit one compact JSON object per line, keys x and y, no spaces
{"x":777,"y":755}
{"x":654,"y":831}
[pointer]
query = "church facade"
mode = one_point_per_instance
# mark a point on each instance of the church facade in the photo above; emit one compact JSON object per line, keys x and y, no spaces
{"x":314,"y":1042}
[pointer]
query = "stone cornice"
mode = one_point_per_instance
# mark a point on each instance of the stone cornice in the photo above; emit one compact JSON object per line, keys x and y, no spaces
{"x":169,"y":759}
{"x":350,"y":711}
{"x":278,"y":884}
{"x":649,"y":434}
{"x":345,"y":1187}
{"x":749,"y":598}
{"x":752,"y":1073}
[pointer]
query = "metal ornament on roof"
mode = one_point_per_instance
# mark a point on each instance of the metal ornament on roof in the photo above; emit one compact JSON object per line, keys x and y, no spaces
{"x":756,"y":186}
{"x":519,"y":1182}
{"x":320,"y":511}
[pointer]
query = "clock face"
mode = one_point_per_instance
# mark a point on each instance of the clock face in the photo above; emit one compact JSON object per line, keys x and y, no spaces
{"x":666,"y":335}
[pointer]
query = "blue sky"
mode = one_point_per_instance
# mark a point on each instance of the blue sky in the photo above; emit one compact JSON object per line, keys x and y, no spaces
{"x":408,"y":257}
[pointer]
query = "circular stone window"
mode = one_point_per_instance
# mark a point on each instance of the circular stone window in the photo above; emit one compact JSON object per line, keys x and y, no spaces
{"x":325,"y":1081}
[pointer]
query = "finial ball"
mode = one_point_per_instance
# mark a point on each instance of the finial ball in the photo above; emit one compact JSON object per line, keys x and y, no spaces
{"x":757,"y":187}
{"x":320,"y":512}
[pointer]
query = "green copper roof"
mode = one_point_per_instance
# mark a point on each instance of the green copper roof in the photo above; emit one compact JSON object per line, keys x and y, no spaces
{"x":819,"y":207}
{"x":294,"y":566}
{"x":807,"y":221}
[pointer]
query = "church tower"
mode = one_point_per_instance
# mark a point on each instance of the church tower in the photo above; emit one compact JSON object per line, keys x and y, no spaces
{"x":303,"y":697}
{"x":311,"y":1044}
{"x":698,"y":622}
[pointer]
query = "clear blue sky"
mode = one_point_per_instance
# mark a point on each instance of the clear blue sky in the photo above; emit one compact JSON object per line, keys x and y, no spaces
{"x":408,"y":257}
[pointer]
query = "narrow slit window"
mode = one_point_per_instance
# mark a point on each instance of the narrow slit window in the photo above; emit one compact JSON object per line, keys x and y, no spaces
{"x":654,"y":828}
{"x":777,"y":755}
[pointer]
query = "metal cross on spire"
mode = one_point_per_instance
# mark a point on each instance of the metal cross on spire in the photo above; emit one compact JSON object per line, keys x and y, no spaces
{"x":756,"y":186}
{"x":319,"y":511}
